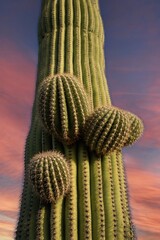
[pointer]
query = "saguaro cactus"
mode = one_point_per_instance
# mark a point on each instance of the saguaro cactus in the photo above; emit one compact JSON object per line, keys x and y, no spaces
{"x":74,"y":182}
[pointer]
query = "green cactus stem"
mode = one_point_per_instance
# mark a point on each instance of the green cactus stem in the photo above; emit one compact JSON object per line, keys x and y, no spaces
{"x":96,"y":207}
{"x":63,"y":107}
{"x":49,"y":175}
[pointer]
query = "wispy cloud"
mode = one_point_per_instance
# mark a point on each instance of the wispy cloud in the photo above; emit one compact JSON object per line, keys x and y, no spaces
{"x":17,"y":89}
{"x":16,"y":96}
{"x":145,"y":198}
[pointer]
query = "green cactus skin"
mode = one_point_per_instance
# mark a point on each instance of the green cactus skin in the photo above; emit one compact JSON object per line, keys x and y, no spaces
{"x":63,"y":107}
{"x":96,"y":207}
{"x":49,"y":175}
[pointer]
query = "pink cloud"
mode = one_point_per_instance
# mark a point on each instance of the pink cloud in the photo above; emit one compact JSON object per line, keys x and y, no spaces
{"x":17,"y":73}
{"x":146,"y":105}
{"x":8,"y":201}
{"x":145,"y":198}
{"x":6,"y":231}
{"x":17,"y":90}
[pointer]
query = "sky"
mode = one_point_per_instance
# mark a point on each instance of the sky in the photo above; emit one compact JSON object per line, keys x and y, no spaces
{"x":132,"y":52}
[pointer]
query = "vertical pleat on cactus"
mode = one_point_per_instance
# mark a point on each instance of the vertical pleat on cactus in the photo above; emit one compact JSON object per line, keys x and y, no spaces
{"x":96,"y":206}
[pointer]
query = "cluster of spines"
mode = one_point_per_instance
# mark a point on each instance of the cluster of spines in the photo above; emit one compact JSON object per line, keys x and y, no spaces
{"x":49,"y":175}
{"x":111,"y":128}
{"x":63,"y":107}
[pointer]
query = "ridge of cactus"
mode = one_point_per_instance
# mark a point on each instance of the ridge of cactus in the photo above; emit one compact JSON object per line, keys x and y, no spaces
{"x":109,"y":132}
{"x":49,"y":175}
{"x":63,"y":107}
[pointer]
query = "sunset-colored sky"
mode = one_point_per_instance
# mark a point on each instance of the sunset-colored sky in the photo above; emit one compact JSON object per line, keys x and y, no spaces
{"x":132,"y":50}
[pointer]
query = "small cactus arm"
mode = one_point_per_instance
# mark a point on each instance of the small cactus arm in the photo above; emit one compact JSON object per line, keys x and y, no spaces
{"x":75,"y":189}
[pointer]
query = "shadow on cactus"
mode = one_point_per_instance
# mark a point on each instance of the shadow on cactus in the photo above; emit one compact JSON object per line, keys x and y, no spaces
{"x":49,"y":175}
{"x":63,"y":107}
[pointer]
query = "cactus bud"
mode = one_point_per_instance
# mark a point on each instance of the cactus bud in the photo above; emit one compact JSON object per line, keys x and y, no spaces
{"x":49,"y":175}
{"x":106,"y":130}
{"x":63,"y":107}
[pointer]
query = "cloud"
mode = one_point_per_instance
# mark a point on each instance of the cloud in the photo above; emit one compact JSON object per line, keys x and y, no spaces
{"x":17,"y":74}
{"x":144,"y":102}
{"x":17,"y":84}
{"x":9,"y":205}
{"x":144,"y":198}
{"x":16,"y":96}
{"x":6,"y":231}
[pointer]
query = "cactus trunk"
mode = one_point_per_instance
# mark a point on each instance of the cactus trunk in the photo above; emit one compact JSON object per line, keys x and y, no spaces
{"x":71,"y":40}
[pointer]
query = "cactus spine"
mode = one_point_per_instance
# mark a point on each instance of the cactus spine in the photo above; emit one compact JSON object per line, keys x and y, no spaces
{"x":96,"y":206}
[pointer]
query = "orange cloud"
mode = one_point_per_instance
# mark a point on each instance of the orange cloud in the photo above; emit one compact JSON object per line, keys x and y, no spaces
{"x":8,"y":212}
{"x":6,"y":231}
{"x":17,"y":89}
{"x":145,"y":199}
{"x":145,"y":105}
